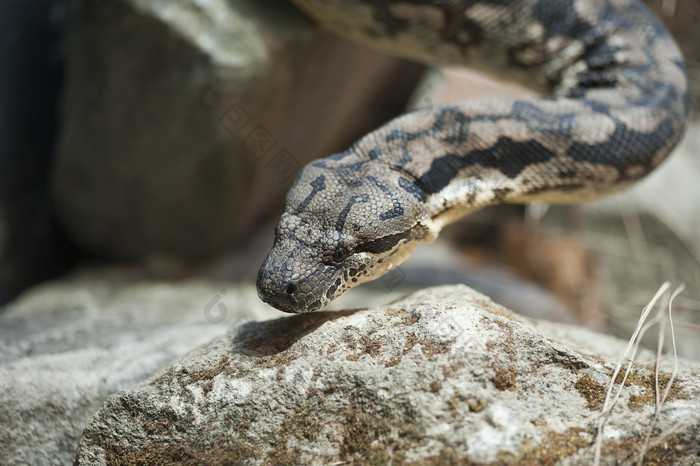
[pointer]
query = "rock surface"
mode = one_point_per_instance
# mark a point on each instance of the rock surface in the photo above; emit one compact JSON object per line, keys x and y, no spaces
{"x":65,"y":347}
{"x":184,"y":122}
{"x":444,"y":375}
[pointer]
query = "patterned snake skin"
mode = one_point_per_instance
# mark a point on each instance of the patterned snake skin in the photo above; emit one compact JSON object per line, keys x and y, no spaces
{"x":617,"y":101}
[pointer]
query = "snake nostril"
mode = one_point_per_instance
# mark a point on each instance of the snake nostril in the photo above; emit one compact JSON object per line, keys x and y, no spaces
{"x":290,"y":289}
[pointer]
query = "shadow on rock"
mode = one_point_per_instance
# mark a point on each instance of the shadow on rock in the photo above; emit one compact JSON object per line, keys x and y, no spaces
{"x":274,"y":336}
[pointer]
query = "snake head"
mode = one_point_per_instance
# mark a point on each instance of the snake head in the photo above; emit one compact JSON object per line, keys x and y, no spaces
{"x":339,"y":229}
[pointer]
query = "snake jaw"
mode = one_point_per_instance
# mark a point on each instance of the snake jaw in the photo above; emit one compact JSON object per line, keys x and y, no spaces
{"x":293,"y":293}
{"x":288,"y":282}
{"x":298,"y":277}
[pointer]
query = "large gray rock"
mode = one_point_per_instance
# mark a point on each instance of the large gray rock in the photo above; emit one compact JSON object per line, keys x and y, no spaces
{"x":442,"y":376}
{"x":184,"y":122}
{"x":65,"y":347}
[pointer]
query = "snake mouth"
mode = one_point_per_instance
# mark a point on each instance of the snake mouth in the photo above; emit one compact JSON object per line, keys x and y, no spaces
{"x":294,"y":280}
{"x":280,"y":302}
{"x":287,"y":301}
{"x":282,"y":299}
{"x":290,"y":292}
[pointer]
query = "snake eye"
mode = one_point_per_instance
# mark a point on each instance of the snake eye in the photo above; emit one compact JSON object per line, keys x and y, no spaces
{"x":340,"y":254}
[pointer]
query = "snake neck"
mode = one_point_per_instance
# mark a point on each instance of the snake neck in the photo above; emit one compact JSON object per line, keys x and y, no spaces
{"x":619,"y":100}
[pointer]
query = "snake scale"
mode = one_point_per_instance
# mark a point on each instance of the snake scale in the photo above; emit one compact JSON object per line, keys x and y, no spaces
{"x":615,"y":102}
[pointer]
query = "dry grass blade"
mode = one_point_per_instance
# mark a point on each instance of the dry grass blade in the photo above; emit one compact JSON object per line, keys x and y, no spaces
{"x":661,"y":399}
{"x":629,"y":354}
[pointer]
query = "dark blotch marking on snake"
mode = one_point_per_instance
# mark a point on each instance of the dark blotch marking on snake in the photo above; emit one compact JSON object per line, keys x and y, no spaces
{"x":413,"y":189}
{"x":388,"y":242}
{"x":508,"y":156}
{"x":395,"y":211}
{"x":344,"y":213}
{"x":624,"y":148}
{"x":317,"y":185}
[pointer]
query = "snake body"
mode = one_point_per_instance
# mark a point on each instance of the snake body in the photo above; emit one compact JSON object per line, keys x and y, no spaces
{"x":616,"y":102}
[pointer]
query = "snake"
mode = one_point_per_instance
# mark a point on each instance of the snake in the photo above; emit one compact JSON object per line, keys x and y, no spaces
{"x":612,"y":103}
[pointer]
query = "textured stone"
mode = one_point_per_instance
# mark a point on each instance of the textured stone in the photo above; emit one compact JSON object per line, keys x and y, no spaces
{"x":441,"y":376}
{"x":184,"y":122}
{"x":65,"y":347}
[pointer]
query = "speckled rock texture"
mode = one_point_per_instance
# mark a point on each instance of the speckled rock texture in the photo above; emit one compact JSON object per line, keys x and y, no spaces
{"x":66,"y":346}
{"x":441,"y":376}
{"x":183,"y":122}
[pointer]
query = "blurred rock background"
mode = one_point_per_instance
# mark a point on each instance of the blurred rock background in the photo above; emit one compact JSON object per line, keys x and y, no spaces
{"x":32,"y":247}
{"x":183,"y":124}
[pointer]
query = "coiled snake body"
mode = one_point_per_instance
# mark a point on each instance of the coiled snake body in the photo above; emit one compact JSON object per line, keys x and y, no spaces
{"x":617,"y":105}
